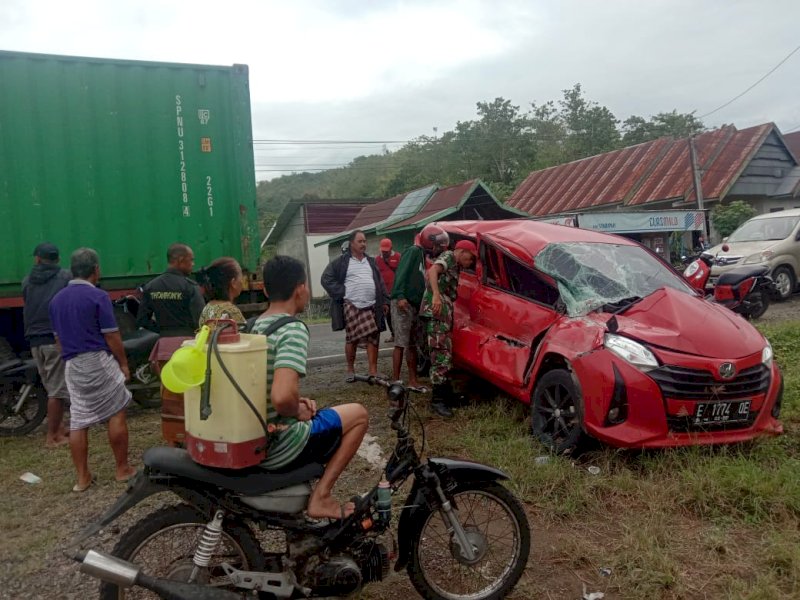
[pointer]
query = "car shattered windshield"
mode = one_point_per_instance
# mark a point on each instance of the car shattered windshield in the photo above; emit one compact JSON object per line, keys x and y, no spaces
{"x":608,"y":276}
{"x":761,"y":230}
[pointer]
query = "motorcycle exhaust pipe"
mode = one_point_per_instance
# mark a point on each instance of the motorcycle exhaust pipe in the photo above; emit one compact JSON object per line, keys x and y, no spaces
{"x":124,"y":574}
{"x":108,"y":568}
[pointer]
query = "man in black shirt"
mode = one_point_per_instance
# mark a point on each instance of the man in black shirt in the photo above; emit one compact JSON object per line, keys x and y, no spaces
{"x":172,"y":298}
{"x":45,"y":280}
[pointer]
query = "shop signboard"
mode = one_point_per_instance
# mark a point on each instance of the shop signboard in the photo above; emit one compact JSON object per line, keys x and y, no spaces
{"x":642,"y":222}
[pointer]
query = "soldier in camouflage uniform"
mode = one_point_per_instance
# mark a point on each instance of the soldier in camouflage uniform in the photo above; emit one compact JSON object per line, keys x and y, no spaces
{"x":437,"y":310}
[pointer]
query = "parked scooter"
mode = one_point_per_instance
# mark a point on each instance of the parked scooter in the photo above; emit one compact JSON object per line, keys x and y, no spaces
{"x":744,"y":290}
{"x":460,"y":533}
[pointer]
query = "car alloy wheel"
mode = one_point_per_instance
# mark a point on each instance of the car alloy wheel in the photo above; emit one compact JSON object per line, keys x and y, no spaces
{"x":556,"y":412}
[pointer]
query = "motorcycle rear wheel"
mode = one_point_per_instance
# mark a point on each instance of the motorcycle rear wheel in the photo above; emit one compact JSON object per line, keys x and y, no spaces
{"x":758,"y":305}
{"x":496,"y":523}
{"x":31,"y":413}
{"x":164,"y":542}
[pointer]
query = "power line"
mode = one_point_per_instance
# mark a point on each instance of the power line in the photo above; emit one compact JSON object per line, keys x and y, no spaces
{"x":768,"y":73}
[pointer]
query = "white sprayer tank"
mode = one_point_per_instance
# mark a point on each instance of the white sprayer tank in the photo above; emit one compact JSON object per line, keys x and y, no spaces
{"x":231,"y":437}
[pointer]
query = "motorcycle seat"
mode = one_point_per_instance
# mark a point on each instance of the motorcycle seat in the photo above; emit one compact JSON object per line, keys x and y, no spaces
{"x":739,"y":274}
{"x":252,"y":481}
{"x":139,"y":342}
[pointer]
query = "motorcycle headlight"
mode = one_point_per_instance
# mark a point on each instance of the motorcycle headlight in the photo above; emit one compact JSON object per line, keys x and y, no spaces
{"x":630,"y":351}
{"x":761,"y":257}
{"x":766,"y":355}
{"x":691,"y":269}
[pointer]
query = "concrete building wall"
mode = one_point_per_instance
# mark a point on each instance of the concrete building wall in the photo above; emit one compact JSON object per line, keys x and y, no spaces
{"x":292,"y":240}
{"x":318,"y":259}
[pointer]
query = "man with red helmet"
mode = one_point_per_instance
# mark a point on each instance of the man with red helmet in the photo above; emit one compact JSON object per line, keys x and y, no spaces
{"x":407,"y":292}
{"x":437,"y":310}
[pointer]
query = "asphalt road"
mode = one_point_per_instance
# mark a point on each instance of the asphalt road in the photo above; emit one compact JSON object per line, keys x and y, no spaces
{"x":327,"y":346}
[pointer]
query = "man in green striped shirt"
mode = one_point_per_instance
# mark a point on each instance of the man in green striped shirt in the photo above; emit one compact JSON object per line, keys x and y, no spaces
{"x":301,"y":434}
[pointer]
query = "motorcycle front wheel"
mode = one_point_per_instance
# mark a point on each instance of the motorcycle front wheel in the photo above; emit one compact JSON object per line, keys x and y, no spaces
{"x":29,"y":416}
{"x":164,"y":542}
{"x":495,"y":524}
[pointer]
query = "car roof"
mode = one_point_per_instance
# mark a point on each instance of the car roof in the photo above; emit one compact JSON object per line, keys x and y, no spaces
{"x":792,"y":212}
{"x":525,"y":238}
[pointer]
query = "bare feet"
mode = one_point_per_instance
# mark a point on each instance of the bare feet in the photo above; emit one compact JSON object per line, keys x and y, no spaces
{"x":329,"y":508}
{"x":126,"y":474}
{"x":55,"y":442}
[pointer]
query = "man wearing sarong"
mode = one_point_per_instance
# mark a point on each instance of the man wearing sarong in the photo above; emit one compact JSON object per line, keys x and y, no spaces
{"x":359,"y":301}
{"x":96,"y":367}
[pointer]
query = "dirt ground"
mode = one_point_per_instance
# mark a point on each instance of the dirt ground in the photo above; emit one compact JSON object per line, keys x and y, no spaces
{"x":783,"y":311}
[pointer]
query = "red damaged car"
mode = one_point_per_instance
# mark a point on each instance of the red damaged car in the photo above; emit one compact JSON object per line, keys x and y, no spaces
{"x":603,"y":338}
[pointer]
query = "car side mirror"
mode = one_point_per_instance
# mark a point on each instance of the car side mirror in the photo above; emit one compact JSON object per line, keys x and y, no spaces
{"x":725,"y":239}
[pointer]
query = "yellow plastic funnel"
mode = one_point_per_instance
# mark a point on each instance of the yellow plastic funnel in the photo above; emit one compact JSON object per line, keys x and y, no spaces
{"x":187,"y":367}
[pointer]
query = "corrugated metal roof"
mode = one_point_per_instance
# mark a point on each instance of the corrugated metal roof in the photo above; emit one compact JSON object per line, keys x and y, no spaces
{"x":329,"y":218}
{"x":291,"y":208}
{"x":793,"y":142}
{"x":655,"y":171}
{"x":443,"y":199}
{"x":375,"y":213}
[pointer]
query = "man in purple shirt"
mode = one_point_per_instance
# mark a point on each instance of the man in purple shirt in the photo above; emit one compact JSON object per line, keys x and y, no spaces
{"x":96,"y":367}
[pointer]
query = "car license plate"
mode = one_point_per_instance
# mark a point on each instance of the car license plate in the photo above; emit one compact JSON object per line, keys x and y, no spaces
{"x":721,"y":412}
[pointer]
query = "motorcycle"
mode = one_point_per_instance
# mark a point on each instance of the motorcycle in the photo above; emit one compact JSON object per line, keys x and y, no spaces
{"x":23,"y":399}
{"x":744,"y":290}
{"x":460,"y":532}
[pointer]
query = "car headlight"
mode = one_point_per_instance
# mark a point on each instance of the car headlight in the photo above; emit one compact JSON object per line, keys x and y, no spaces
{"x":761,"y":257}
{"x":630,"y":351}
{"x":766,"y":355}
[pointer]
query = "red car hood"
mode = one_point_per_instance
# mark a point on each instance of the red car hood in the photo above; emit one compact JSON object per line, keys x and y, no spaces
{"x":684,"y":323}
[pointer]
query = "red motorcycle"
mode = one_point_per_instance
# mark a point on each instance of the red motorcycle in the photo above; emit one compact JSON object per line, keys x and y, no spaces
{"x":744,"y":290}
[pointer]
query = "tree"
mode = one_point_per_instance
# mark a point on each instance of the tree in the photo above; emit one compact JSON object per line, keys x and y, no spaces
{"x":726,"y":218}
{"x":637,"y":130}
{"x":591,"y":129}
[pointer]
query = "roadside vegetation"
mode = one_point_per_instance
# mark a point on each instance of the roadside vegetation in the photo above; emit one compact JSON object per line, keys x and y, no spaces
{"x":719,"y":522}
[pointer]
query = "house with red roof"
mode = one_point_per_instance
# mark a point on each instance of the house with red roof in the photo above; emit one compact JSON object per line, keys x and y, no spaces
{"x":619,"y":191}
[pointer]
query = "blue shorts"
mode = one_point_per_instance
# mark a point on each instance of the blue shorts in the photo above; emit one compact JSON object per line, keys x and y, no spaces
{"x":323,"y":441}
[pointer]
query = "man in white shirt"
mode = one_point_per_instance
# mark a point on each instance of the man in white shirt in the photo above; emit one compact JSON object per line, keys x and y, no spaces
{"x":359,"y":301}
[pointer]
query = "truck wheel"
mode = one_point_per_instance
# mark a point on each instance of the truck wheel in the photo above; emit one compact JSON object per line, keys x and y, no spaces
{"x":785,"y":282}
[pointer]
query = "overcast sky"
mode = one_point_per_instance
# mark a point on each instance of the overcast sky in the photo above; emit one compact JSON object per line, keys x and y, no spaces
{"x":361,"y":70}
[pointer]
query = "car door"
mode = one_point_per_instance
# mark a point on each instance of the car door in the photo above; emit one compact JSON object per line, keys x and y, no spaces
{"x":511,"y":305}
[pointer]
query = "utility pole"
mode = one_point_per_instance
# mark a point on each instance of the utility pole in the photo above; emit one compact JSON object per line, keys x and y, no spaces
{"x":698,"y":184}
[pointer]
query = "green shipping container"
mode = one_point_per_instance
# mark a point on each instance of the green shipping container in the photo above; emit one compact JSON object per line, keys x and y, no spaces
{"x":125,"y":157}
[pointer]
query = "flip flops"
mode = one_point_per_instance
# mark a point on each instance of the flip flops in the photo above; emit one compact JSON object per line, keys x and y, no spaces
{"x":79,"y":488}
{"x":128,"y":478}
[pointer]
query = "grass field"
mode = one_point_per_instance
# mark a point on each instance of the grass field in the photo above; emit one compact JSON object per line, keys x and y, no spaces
{"x":718,"y":522}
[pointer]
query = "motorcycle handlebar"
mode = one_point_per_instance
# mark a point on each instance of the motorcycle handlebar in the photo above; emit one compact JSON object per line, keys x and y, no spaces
{"x":380,"y":381}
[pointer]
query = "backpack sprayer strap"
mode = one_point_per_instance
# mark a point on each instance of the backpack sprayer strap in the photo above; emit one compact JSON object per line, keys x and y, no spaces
{"x":271,"y":328}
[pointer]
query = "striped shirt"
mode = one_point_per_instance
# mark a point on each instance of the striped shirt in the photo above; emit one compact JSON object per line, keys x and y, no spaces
{"x":359,"y":285}
{"x":287,"y":348}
